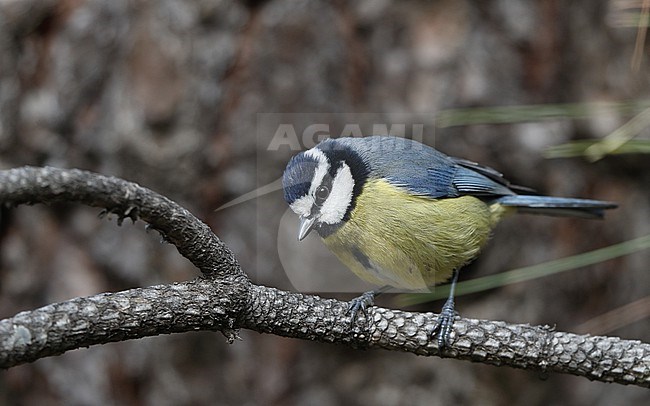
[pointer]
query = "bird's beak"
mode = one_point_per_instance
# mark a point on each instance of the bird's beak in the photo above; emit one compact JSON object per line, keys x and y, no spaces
{"x":306,"y":225}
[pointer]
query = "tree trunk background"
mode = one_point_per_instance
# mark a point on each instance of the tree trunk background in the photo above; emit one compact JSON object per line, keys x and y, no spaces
{"x":167,"y":94}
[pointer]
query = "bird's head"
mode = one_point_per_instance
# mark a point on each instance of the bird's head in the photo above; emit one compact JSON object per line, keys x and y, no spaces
{"x":321,"y":184}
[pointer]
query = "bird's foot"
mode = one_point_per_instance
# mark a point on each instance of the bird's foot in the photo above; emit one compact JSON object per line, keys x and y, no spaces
{"x":359,"y":304}
{"x":442,"y":328}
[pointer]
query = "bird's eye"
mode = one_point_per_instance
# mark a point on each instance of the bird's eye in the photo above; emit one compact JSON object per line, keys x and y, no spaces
{"x":321,"y":194}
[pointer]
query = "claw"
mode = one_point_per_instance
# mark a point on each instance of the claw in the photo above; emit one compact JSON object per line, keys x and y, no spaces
{"x":132,"y":213}
{"x":359,"y":304}
{"x":442,"y":329}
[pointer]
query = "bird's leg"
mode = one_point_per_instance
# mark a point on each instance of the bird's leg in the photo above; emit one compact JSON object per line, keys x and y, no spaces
{"x":445,"y":321}
{"x":364,"y":301}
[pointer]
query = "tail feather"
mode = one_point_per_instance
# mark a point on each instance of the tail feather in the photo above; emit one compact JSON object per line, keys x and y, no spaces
{"x":557,"y":206}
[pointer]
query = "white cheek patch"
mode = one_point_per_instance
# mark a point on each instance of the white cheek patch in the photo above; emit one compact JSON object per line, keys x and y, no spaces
{"x":336,"y":205}
{"x":302,"y":206}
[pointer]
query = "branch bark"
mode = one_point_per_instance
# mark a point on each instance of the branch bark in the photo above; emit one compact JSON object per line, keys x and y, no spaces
{"x":224,"y":299}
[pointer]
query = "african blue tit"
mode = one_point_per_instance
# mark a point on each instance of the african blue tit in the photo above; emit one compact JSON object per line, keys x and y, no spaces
{"x":402,"y":214}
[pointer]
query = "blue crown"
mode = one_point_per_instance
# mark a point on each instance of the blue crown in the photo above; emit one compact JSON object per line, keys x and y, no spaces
{"x":298,"y":176}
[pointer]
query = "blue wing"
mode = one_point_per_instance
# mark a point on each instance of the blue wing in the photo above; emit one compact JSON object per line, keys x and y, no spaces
{"x":425,"y":171}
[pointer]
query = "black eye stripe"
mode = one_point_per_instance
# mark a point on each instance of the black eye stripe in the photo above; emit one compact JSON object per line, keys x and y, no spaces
{"x":323,"y":190}
{"x":334,"y":168}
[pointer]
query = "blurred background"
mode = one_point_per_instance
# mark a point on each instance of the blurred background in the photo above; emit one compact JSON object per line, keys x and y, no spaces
{"x":185,"y":97}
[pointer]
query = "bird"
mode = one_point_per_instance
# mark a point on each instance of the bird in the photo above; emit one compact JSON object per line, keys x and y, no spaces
{"x":401,"y":214}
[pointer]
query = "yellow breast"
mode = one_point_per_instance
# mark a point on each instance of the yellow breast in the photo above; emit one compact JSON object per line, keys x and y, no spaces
{"x":411,"y":242}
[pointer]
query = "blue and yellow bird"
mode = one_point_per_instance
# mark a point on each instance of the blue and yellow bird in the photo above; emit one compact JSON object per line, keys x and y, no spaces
{"x":401,"y":214}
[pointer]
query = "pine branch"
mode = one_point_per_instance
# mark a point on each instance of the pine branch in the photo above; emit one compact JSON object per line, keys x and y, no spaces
{"x":225,"y":300}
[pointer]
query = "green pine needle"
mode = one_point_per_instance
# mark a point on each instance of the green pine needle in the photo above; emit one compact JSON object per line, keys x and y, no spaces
{"x":532,"y":272}
{"x":530,"y":113}
{"x":618,"y":142}
{"x":580,"y":148}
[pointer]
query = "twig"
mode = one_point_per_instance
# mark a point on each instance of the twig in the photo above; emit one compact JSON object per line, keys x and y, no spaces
{"x":224,"y":299}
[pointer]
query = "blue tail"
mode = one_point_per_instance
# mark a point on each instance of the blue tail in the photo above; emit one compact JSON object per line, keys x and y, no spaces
{"x":557,"y":206}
